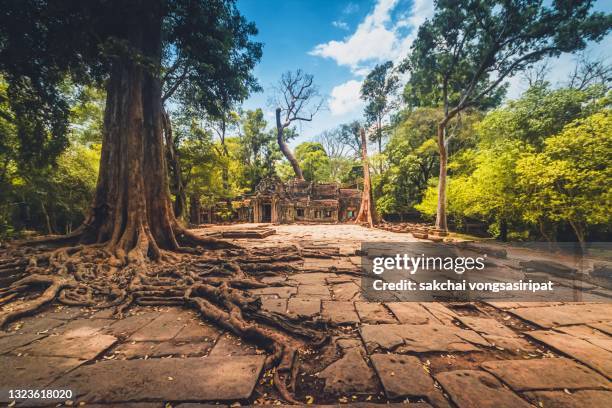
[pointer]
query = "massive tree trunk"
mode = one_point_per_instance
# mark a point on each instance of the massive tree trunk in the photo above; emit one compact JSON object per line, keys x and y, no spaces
{"x":367,"y":210}
{"x":441,"y":210}
{"x":132,"y":211}
{"x":284,"y":148}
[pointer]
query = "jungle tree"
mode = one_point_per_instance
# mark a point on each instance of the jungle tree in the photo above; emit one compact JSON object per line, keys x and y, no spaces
{"x":378,"y":90}
{"x":468,"y":48}
{"x":297,"y":100}
{"x":131,"y":222}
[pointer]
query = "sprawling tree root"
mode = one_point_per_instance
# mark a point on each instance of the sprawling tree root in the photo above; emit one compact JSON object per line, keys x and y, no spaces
{"x":215,"y":284}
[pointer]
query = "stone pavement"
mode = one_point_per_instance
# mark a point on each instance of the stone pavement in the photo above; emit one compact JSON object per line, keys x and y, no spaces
{"x":497,"y":354}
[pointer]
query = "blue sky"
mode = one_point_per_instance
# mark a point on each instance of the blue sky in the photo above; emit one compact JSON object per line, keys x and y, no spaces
{"x":338,"y":41}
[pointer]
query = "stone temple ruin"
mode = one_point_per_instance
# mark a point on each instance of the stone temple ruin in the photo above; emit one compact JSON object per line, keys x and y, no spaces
{"x":299,"y":201}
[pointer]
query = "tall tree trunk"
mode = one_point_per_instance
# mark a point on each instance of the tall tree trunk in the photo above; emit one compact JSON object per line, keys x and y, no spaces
{"x":47,"y":218}
{"x":132,"y":211}
{"x":177,"y":185}
{"x":441,"y":210}
{"x":285,"y":149}
{"x":367,"y":210}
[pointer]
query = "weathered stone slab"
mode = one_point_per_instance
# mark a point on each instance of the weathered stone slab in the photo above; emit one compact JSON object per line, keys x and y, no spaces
{"x":197,"y":330}
{"x":478,"y":389}
{"x":168,"y":379}
{"x":605,"y":327}
{"x":128,"y":325}
{"x":565,"y":315}
{"x":313,"y":278}
{"x":229,"y":346}
{"x":167,"y":325}
{"x":83,"y":327}
{"x":346,"y":291}
{"x":318,"y":291}
{"x":304,"y":306}
{"x":486,"y":325}
{"x":543,"y":374}
{"x":135,"y":349}
{"x":81,"y":344}
{"x":595,"y":357}
{"x":35,"y":325}
{"x":12,"y":342}
{"x":577,"y":399}
{"x":339,"y":312}
{"x":441,"y":312}
{"x":511,"y":344}
{"x":420,"y":338}
{"x":183,"y":349}
{"x":410,"y":312}
{"x":404,"y":377}
{"x":516,"y":305}
{"x":281,"y":292}
{"x":274,"y":305}
{"x":350,"y":374}
{"x":373,"y":313}
{"x":258,"y":233}
{"x":27,"y":372}
{"x":589,"y":334}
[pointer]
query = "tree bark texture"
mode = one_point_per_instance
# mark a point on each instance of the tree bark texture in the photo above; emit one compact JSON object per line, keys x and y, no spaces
{"x":367,"y":210}
{"x":284,"y":148}
{"x":441,"y":210}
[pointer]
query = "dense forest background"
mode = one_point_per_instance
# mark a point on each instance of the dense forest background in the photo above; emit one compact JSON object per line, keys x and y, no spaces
{"x":536,"y":167}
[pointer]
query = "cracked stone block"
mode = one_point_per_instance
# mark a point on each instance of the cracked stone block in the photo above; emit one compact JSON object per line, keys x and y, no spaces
{"x":167,"y":379}
{"x":420,"y":338}
{"x":346,"y":291}
{"x":10,"y":343}
{"x":126,"y":326}
{"x":274,"y":305}
{"x":589,"y":334}
{"x":478,"y":389}
{"x":565,"y":315}
{"x":83,"y":327}
{"x":410,"y":312}
{"x":83,"y":344}
{"x":34,"y":325}
{"x":318,"y":291}
{"x":339,"y":312}
{"x":183,"y":349}
{"x":349,"y":374}
{"x":165,"y":327}
{"x":197,"y":330}
{"x":373,"y":313}
{"x":135,"y":349}
{"x":441,"y":312}
{"x":404,"y":377}
{"x":28,"y":372}
{"x":545,"y":374}
{"x":591,"y":355}
{"x":576,"y":399}
{"x":486,"y":325}
{"x":605,"y":327}
{"x":314,"y":278}
{"x":282,"y":292}
{"x":229,"y":345}
{"x":304,"y":306}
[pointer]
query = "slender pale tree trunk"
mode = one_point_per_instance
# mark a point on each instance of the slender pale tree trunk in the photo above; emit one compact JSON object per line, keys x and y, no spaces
{"x":367,"y":210}
{"x":284,"y":148}
{"x":442,"y":148}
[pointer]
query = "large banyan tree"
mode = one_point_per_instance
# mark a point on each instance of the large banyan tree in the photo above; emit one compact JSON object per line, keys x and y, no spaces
{"x":131,"y":248}
{"x":144,"y":52}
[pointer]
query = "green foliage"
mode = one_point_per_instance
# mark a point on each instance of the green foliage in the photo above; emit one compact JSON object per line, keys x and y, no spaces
{"x":569,"y":180}
{"x":314,"y":161}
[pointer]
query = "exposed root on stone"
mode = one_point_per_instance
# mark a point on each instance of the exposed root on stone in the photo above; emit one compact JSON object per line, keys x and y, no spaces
{"x":215,"y":284}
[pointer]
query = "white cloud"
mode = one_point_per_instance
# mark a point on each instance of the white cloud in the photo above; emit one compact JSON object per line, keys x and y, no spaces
{"x":377,"y":38}
{"x":340,"y":24}
{"x":345,"y":98}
